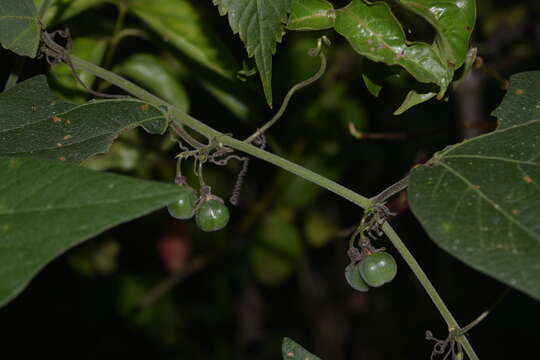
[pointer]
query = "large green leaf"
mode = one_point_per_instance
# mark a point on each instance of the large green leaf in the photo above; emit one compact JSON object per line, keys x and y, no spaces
{"x":151,"y":72}
{"x":374,"y":32}
{"x":291,"y":350}
{"x":480,"y":199}
{"x":47,"y":207}
{"x":454,"y":22}
{"x":179,"y":23}
{"x":19,"y":27}
{"x":260,"y":24}
{"x":307,"y":15}
{"x":33,"y":122}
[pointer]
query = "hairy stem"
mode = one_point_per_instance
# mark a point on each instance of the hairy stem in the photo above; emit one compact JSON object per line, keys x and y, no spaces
{"x":183,"y":119}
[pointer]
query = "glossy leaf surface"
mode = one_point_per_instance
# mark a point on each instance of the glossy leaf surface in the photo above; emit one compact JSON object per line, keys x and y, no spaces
{"x":454,"y":22}
{"x":47,"y":207}
{"x":480,"y":199}
{"x":260,"y":25}
{"x":35,"y":123}
{"x":311,"y":15}
{"x":374,"y":32}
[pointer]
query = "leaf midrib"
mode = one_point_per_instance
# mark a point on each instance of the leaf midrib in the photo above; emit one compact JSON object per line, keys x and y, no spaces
{"x":496,"y":206}
{"x":89,"y":205}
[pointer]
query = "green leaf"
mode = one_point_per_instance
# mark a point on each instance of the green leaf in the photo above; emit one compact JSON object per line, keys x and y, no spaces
{"x":150,"y":71}
{"x":307,"y":15}
{"x":480,"y":199}
{"x":413,"y":98}
{"x":47,"y":207}
{"x":373,"y":88}
{"x":276,"y":250}
{"x":374,"y":32}
{"x":35,"y":123}
{"x":291,"y":350}
{"x":179,"y":23}
{"x":260,"y":24}
{"x":375,"y":75}
{"x":88,"y":49}
{"x":61,"y":10}
{"x":19,"y":27}
{"x":454,"y":22}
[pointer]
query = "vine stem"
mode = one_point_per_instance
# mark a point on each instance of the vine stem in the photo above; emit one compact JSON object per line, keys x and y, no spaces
{"x":181,"y":118}
{"x":428,"y":286}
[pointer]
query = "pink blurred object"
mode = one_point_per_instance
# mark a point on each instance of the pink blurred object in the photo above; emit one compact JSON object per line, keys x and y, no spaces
{"x":174,"y":248}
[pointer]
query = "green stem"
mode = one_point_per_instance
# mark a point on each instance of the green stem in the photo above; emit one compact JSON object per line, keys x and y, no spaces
{"x":428,"y":286}
{"x":15,"y":72}
{"x":183,"y":119}
{"x":288,"y":97}
{"x":122,"y":11}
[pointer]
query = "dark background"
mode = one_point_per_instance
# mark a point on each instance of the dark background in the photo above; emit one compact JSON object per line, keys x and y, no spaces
{"x":99,"y":300}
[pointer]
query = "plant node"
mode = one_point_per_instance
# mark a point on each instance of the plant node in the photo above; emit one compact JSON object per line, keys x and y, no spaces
{"x":55,"y":54}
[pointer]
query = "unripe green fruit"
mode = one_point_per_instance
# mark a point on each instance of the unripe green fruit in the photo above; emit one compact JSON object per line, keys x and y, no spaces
{"x":184,"y":207}
{"x":352,"y":274}
{"x":212,"y":215}
{"x":378,"y":269}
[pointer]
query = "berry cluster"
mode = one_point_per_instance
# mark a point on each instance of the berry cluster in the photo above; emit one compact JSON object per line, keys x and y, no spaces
{"x":369,"y":267}
{"x":373,"y":270}
{"x":211,"y":214}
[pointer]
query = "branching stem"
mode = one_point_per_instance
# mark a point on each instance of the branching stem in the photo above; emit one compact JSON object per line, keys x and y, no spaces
{"x":391,"y":190}
{"x":181,"y":118}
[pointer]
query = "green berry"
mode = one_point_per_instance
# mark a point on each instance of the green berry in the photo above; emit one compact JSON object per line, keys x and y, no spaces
{"x":352,"y":274}
{"x":378,"y":269}
{"x":212,"y":215}
{"x":184,"y":207}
